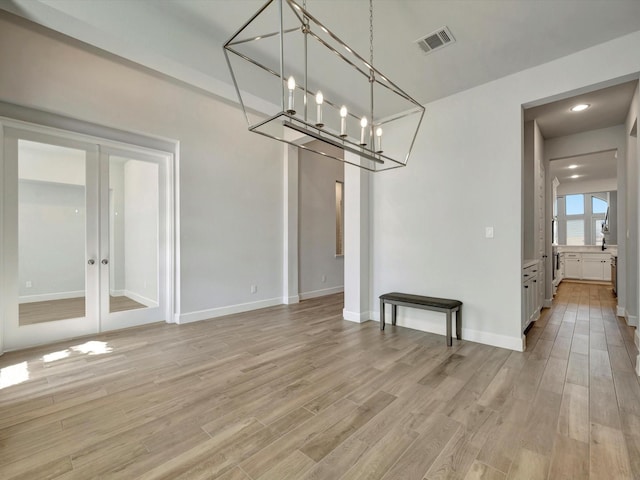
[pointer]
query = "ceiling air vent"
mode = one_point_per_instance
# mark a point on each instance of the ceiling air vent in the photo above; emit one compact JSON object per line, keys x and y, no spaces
{"x":436,"y":40}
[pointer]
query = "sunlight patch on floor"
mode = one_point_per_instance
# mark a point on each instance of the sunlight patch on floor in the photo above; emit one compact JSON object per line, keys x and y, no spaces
{"x":14,"y":374}
{"x":53,"y":356}
{"x":93,"y":347}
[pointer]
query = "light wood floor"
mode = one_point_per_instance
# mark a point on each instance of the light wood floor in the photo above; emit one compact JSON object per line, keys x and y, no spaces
{"x":297,"y":393}
{"x":52,"y":310}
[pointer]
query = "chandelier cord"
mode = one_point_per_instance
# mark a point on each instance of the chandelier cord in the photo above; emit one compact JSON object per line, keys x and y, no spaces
{"x":370,"y":32}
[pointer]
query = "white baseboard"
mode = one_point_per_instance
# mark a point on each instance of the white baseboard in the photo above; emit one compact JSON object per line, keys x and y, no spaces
{"x":638,"y":365}
{"x":291,"y":300}
{"x":321,"y":293}
{"x":147,"y":302}
{"x":440,"y":328}
{"x":620,"y":311}
{"x":632,"y":320}
{"x":228,"y":310}
{"x":636,"y":339}
{"x":45,"y":297}
{"x":117,"y":293}
{"x":358,"y":317}
{"x":548,"y":303}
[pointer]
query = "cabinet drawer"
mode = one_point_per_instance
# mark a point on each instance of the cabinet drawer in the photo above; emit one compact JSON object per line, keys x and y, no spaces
{"x":596,"y":257}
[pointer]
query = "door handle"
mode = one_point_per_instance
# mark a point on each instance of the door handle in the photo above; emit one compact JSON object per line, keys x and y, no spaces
{"x":91,"y":261}
{"x":105,"y":261}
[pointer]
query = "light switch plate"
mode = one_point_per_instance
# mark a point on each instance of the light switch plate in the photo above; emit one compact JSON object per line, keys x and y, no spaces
{"x":488,"y":232}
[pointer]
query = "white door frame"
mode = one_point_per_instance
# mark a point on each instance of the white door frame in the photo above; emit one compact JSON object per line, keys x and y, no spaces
{"x":74,"y":138}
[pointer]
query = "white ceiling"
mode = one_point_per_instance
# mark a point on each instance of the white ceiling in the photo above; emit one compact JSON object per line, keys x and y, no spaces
{"x":591,"y":167}
{"x":494,"y":38}
{"x":609,"y":107}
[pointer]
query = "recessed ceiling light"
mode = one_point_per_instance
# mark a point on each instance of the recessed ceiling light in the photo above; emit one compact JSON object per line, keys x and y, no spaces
{"x":574,"y":176}
{"x":580,"y":107}
{"x":573,"y":166}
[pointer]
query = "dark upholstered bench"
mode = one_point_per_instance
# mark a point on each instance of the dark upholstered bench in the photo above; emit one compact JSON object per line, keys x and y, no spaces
{"x":425,"y":303}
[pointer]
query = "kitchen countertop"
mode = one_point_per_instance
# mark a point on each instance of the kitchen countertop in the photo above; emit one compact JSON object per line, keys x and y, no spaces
{"x":611,"y":249}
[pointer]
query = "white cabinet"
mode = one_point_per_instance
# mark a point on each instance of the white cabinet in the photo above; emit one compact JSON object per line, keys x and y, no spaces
{"x":540,"y":287}
{"x":587,"y":266}
{"x":596,"y":267}
{"x":532,"y":293}
{"x":572,"y":265}
{"x":606,"y":273}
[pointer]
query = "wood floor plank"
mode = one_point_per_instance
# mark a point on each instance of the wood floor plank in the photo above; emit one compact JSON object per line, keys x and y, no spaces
{"x":627,"y":391}
{"x":291,"y":468}
{"x":603,"y":402}
{"x":578,"y":369}
{"x":570,"y":459}
{"x":456,"y":458}
{"x":573,"y":421}
{"x":542,"y":423}
{"x":554,"y":375}
{"x":480,"y":471}
{"x":529,"y":465}
{"x":609,"y":457}
{"x":502,"y":443}
{"x":326,"y":441}
{"x":418,"y":458}
{"x":382,"y":456}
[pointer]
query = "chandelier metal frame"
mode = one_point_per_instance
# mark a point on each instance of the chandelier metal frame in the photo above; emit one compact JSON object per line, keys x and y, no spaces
{"x":368,"y":147}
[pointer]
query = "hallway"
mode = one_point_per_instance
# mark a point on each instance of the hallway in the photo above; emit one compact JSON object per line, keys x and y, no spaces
{"x":585,"y":355}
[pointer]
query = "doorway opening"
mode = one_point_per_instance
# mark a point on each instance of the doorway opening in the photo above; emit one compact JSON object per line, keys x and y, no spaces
{"x":576,"y":195}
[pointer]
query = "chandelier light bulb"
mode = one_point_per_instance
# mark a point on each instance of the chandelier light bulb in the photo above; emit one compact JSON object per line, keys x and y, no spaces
{"x":363,"y":125}
{"x":319,"y":100}
{"x":343,"y":121}
{"x":291,"y":85}
{"x":379,"y":140}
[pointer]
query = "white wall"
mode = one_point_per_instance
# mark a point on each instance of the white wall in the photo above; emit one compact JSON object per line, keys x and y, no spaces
{"x":540,"y":193}
{"x":465,"y":174}
{"x":230,"y":180}
{"x":632,"y":179}
{"x":528,"y":181}
{"x":318,"y":177}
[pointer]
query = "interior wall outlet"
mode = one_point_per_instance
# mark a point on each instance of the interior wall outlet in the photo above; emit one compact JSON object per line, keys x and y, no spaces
{"x":254,"y":288}
{"x":28,"y":284}
{"x":488,"y":232}
{"x":324,"y":278}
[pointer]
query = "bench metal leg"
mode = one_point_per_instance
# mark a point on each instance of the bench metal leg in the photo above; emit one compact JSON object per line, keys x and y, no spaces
{"x":381,"y":314}
{"x":394,"y":311}
{"x":449,"y":339}
{"x":459,"y":323}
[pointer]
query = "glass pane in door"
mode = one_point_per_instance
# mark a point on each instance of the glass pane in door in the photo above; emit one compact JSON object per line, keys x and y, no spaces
{"x":51,"y":232}
{"x":133,"y":234}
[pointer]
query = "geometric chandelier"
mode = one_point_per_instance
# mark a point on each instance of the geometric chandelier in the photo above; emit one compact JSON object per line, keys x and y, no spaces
{"x":298,"y":83}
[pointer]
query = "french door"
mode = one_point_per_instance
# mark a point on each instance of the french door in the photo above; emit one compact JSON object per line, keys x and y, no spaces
{"x":85,"y":237}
